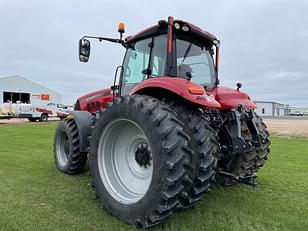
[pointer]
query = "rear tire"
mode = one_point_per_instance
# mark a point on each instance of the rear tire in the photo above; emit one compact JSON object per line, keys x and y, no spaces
{"x":115,"y":138}
{"x":204,"y":144}
{"x":67,"y":155}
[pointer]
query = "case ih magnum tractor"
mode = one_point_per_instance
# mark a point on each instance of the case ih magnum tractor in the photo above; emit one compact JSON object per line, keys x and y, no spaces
{"x":165,"y":131}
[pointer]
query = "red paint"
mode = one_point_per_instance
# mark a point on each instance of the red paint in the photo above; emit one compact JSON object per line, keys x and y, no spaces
{"x":221,"y":98}
{"x":93,"y":95}
{"x":93,"y":101}
{"x":206,"y":33}
{"x":43,"y":110}
{"x":192,"y":26}
{"x":230,"y":98}
{"x":178,"y":86}
{"x":133,"y":37}
{"x":45,"y":97}
{"x":170,"y":25}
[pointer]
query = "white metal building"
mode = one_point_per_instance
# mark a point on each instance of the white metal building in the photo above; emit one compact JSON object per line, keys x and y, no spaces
{"x":19,"y":89}
{"x":269,"y":108}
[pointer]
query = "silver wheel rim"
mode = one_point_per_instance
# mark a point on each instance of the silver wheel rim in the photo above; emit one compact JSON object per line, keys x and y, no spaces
{"x":62,"y":148}
{"x":126,"y":180}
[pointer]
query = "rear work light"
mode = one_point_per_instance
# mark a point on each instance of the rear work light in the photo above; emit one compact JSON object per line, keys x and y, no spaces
{"x":185,"y":28}
{"x":177,"y":26}
{"x":196,"y":89}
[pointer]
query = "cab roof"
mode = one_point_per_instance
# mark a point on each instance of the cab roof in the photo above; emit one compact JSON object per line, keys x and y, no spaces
{"x":194,"y":32}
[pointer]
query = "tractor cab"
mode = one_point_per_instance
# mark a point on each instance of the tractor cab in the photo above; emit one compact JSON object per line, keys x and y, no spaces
{"x":170,"y":49}
{"x":173,"y":58}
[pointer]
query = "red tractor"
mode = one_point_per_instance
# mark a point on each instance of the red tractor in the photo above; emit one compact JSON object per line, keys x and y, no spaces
{"x":165,"y":131}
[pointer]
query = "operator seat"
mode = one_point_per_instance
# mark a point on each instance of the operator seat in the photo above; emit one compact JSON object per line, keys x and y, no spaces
{"x":184,"y":71}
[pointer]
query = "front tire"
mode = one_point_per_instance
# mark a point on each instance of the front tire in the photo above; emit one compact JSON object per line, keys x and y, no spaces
{"x":67,"y":155}
{"x":137,"y":157}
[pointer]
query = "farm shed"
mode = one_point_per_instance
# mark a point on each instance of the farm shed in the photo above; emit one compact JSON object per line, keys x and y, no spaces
{"x":269,"y":108}
{"x":19,"y":89}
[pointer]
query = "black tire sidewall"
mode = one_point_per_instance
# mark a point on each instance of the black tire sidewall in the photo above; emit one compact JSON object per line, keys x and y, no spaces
{"x":63,"y":127}
{"x":150,"y":200}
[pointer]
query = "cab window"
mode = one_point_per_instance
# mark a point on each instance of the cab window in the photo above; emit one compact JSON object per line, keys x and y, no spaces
{"x":195,"y":57}
{"x":137,"y":64}
{"x":136,"y":60}
{"x":159,"y":53}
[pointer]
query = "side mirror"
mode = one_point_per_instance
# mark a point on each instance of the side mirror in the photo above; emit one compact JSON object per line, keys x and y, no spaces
{"x":84,"y":50}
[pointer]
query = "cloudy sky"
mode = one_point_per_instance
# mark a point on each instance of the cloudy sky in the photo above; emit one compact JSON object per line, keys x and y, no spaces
{"x":264,"y":43}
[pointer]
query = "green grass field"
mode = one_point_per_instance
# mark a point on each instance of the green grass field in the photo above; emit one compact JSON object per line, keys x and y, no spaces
{"x":35,"y":196}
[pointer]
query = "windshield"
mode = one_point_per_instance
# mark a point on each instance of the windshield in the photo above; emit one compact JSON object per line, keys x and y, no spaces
{"x":194,"y":61}
{"x":147,"y":58}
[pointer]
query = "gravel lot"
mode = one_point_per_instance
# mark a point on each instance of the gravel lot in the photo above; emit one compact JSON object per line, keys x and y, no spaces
{"x":288,"y":125}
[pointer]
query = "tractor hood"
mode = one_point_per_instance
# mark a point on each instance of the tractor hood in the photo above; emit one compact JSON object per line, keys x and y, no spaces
{"x":94,"y":96}
{"x":230,"y":98}
{"x":93,"y":101}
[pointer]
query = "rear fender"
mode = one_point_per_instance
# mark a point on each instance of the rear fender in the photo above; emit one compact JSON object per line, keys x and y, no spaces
{"x":231,"y":98}
{"x":84,"y":122}
{"x":179,"y":87}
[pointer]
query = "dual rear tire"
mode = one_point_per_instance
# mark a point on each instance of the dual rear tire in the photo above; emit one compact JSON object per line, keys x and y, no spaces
{"x":138,"y":159}
{"x":205,"y":147}
{"x":147,"y":159}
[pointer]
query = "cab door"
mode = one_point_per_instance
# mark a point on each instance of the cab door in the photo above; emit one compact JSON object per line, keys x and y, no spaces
{"x":135,"y":62}
{"x":146,"y":58}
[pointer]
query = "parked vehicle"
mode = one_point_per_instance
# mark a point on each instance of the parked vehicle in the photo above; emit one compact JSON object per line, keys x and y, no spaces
{"x":165,"y":131}
{"x":31,"y":112}
{"x":296,"y":113}
{"x":6,"y":111}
